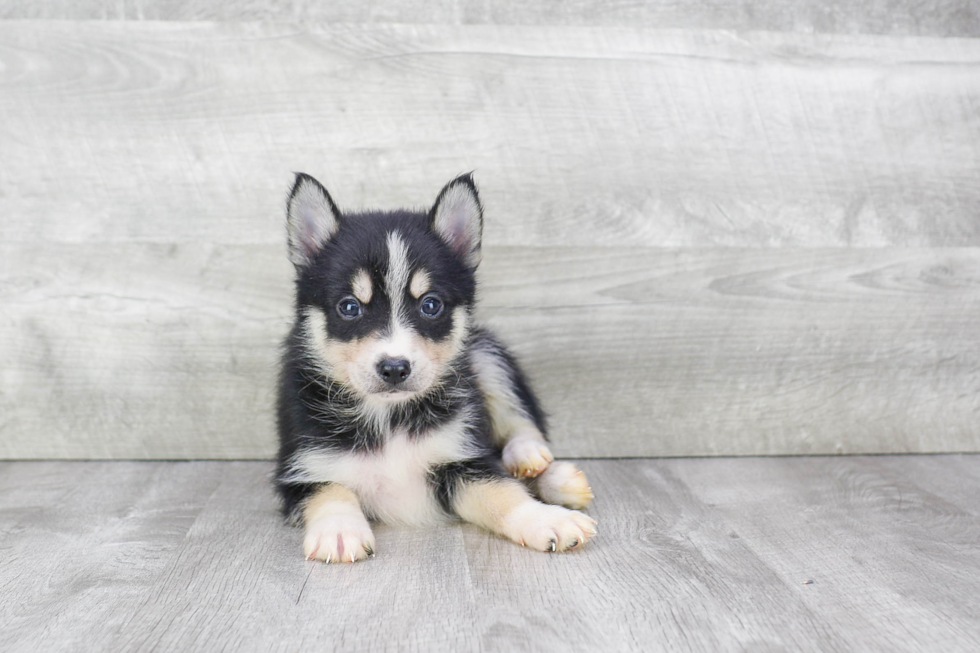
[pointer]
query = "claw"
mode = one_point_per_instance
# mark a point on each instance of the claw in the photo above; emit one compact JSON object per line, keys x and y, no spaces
{"x":316,"y":549}
{"x":369,"y":551}
{"x":573,"y":544}
{"x":553,"y":546}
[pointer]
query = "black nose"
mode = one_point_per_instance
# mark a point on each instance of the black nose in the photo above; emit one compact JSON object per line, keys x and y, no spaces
{"x":394,"y":370}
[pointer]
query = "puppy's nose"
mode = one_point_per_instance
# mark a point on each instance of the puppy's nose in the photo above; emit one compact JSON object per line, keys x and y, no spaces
{"x":394,"y":370}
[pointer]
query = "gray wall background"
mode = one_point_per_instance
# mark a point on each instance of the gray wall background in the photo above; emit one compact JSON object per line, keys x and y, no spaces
{"x":720,"y":229}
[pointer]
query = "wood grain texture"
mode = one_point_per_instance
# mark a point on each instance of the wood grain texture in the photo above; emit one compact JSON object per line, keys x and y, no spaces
{"x":949,"y":477}
{"x":187,"y":132}
{"x":858,"y":521}
{"x":937,"y":18}
{"x":692,"y":555}
{"x":120,"y":527}
{"x":153,"y":351}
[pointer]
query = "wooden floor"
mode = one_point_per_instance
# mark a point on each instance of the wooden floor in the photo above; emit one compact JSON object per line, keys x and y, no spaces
{"x":758,"y":554}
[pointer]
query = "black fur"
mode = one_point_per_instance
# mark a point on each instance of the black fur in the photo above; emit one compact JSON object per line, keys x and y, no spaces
{"x":361,"y":242}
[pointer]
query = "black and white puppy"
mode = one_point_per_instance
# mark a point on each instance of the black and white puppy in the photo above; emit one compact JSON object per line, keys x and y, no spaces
{"x":393,"y":405}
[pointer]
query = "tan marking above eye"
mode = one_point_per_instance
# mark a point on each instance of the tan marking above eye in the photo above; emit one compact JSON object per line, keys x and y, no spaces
{"x":420,"y":284}
{"x":361,"y":286}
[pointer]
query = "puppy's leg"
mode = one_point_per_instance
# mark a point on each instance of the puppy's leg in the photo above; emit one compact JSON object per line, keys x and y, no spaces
{"x":503,"y":506}
{"x":519,"y":426}
{"x":336,"y":529}
{"x":563,"y":484}
{"x":517,"y":420}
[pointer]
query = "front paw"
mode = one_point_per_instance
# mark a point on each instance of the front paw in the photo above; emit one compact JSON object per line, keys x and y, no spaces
{"x":526,"y":457}
{"x":548,"y":528}
{"x":564,"y":484}
{"x":338,"y":538}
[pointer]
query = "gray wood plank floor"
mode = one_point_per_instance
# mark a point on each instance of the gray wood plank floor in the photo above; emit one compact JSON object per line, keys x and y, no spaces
{"x":693,"y":554}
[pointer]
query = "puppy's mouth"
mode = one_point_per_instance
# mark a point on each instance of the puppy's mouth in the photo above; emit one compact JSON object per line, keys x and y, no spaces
{"x":394,"y":395}
{"x":396,"y":392}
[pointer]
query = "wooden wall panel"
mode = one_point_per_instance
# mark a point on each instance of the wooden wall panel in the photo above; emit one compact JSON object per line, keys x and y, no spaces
{"x":935,"y":18}
{"x":700,"y":242}
{"x":162,"y":132}
{"x":144,"y":350}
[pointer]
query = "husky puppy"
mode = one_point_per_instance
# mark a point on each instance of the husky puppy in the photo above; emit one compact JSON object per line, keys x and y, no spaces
{"x":393,"y":405}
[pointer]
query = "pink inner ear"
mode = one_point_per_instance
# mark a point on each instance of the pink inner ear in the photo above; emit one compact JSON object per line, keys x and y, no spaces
{"x":312,"y":233}
{"x":457,"y":232}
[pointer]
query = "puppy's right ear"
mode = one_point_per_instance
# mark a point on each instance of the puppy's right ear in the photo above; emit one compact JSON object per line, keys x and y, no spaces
{"x":311,"y":219}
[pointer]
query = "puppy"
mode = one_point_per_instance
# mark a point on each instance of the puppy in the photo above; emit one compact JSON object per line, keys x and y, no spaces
{"x":393,"y":405}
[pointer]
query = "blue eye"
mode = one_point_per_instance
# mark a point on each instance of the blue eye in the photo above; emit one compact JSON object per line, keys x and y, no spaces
{"x":431,"y":306}
{"x":348,"y":308}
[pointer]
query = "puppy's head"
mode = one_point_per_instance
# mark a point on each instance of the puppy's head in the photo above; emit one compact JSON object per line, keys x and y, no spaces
{"x":385,"y":298}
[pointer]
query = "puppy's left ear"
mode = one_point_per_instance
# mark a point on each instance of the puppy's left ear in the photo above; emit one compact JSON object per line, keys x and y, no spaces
{"x":457,"y":217}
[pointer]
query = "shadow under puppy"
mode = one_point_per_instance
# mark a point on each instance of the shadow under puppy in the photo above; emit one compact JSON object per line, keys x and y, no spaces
{"x":393,"y":405}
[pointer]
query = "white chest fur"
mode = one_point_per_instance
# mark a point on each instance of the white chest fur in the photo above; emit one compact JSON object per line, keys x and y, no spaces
{"x":393,"y":482}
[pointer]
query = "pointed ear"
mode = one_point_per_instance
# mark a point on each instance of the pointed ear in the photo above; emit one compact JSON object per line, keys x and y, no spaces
{"x":457,"y":217}
{"x":311,"y":219}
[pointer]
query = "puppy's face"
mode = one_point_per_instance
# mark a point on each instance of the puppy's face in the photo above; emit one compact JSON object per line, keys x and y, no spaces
{"x":385,"y":298}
